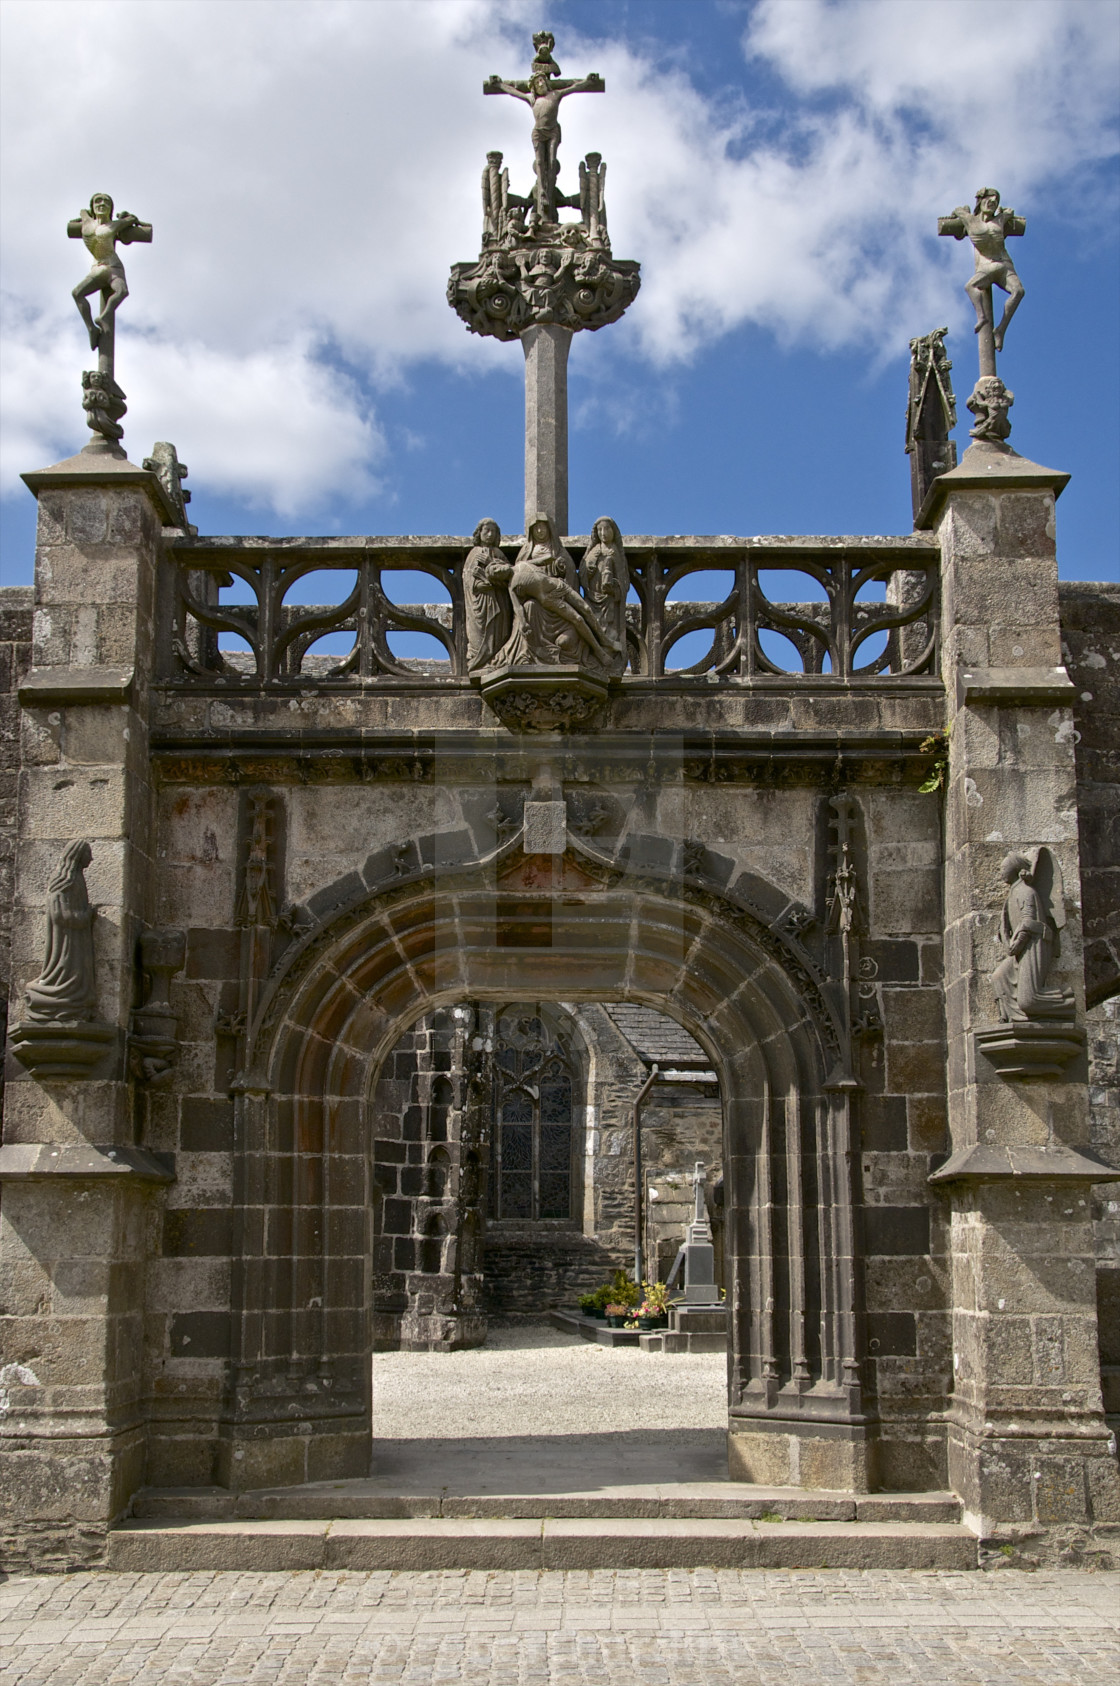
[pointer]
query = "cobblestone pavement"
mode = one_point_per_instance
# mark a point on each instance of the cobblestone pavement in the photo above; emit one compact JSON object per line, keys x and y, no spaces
{"x":679,"y":1627}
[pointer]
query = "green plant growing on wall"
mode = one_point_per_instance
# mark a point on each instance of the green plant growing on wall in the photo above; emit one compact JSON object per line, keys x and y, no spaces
{"x":937,"y":748}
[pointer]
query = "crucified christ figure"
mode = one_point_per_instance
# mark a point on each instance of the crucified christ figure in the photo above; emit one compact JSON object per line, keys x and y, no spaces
{"x":542,"y":93}
{"x":101,"y":230}
{"x":988,"y":227}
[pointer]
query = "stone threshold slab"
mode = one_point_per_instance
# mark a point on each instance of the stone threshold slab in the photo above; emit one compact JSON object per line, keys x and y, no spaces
{"x":712,"y":1500}
{"x":571,"y":1543}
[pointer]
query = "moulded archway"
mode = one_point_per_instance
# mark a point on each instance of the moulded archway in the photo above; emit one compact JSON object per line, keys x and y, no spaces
{"x":516,"y":927}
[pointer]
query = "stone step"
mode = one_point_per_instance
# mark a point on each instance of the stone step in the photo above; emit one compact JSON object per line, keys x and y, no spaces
{"x":549,"y":1543}
{"x":592,"y":1329}
{"x":712,"y":1500}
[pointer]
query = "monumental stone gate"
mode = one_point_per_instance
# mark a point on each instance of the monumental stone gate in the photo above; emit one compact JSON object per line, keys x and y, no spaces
{"x":336,"y":968}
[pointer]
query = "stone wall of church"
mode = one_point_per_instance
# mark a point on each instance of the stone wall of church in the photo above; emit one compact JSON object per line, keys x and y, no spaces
{"x":1091,"y":650}
{"x":15,"y":660}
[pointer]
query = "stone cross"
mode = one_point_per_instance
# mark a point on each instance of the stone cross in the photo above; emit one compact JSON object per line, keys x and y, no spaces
{"x":104,"y":401}
{"x":700,"y":1210}
{"x":543,"y":92}
{"x":541,"y":280}
{"x":989,"y":225}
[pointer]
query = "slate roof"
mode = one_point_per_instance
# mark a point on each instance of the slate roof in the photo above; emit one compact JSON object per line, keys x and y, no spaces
{"x":657,"y":1039}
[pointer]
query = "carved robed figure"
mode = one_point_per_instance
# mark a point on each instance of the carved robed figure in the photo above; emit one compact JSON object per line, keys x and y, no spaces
{"x":605,"y":577}
{"x":1033,"y":915}
{"x":486,"y":576}
{"x":65,"y":990}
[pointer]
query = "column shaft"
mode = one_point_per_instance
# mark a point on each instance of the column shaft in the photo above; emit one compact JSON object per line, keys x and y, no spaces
{"x":546,"y":423}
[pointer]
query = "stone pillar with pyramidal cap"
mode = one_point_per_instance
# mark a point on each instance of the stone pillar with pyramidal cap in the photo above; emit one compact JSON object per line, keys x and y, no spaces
{"x":1029,"y":1447}
{"x":72,"y":1447}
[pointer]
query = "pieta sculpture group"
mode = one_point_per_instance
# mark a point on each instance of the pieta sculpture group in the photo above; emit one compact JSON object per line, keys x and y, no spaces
{"x":529,"y":612}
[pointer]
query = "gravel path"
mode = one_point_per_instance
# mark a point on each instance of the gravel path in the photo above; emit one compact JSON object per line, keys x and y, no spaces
{"x":534,"y":1376}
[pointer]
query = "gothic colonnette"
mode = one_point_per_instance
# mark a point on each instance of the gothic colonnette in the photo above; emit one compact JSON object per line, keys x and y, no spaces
{"x":334,"y":977}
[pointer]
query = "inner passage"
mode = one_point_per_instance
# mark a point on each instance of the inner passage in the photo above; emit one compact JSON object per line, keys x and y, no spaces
{"x":505,"y":1192}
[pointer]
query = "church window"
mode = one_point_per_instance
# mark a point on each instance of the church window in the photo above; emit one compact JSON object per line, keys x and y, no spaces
{"x":531,"y":1134}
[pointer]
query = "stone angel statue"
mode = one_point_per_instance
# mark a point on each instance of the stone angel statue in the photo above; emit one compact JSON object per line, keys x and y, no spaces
{"x":1029,"y":931}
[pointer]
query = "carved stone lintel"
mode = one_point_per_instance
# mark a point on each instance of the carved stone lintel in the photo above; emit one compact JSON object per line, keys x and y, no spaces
{"x":1029,"y":1050}
{"x":555,"y":699}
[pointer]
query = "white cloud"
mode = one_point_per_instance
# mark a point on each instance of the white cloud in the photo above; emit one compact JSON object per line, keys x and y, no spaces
{"x":278,"y":426}
{"x":311,"y":170}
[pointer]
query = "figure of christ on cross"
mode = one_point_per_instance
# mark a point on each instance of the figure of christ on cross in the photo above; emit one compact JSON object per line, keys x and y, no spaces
{"x":543,"y":93}
{"x":100,"y":230}
{"x":988,"y":226}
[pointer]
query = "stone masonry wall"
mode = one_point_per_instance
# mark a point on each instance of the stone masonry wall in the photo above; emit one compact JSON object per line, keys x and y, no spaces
{"x":1090,"y":615}
{"x":16,"y":608}
{"x":1091,"y":651}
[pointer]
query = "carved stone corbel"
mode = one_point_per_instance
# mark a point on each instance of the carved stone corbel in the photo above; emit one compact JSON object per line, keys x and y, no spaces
{"x":153,"y":1046}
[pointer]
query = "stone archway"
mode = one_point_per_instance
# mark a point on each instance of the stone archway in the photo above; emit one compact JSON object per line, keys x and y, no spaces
{"x":573,"y":928}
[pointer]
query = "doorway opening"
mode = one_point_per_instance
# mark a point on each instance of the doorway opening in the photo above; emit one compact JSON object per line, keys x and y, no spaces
{"x":505,"y":1190}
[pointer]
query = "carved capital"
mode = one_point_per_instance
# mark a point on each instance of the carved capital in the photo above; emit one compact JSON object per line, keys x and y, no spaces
{"x":563,"y":281}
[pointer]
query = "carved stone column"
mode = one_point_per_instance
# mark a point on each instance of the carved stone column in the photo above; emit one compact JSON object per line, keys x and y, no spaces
{"x":546,"y":350}
{"x":1029,"y":1449}
{"x":74,"y":1230}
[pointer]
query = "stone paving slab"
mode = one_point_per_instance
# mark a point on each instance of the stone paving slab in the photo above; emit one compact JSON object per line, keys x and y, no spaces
{"x":699,"y":1627}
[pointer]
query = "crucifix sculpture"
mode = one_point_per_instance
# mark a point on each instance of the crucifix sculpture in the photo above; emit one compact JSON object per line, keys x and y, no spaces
{"x":540,"y":280}
{"x":989,"y":225}
{"x":543,"y":92}
{"x":103,"y":400}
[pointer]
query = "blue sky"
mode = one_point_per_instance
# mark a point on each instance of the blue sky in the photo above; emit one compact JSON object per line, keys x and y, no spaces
{"x":311,"y":171}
